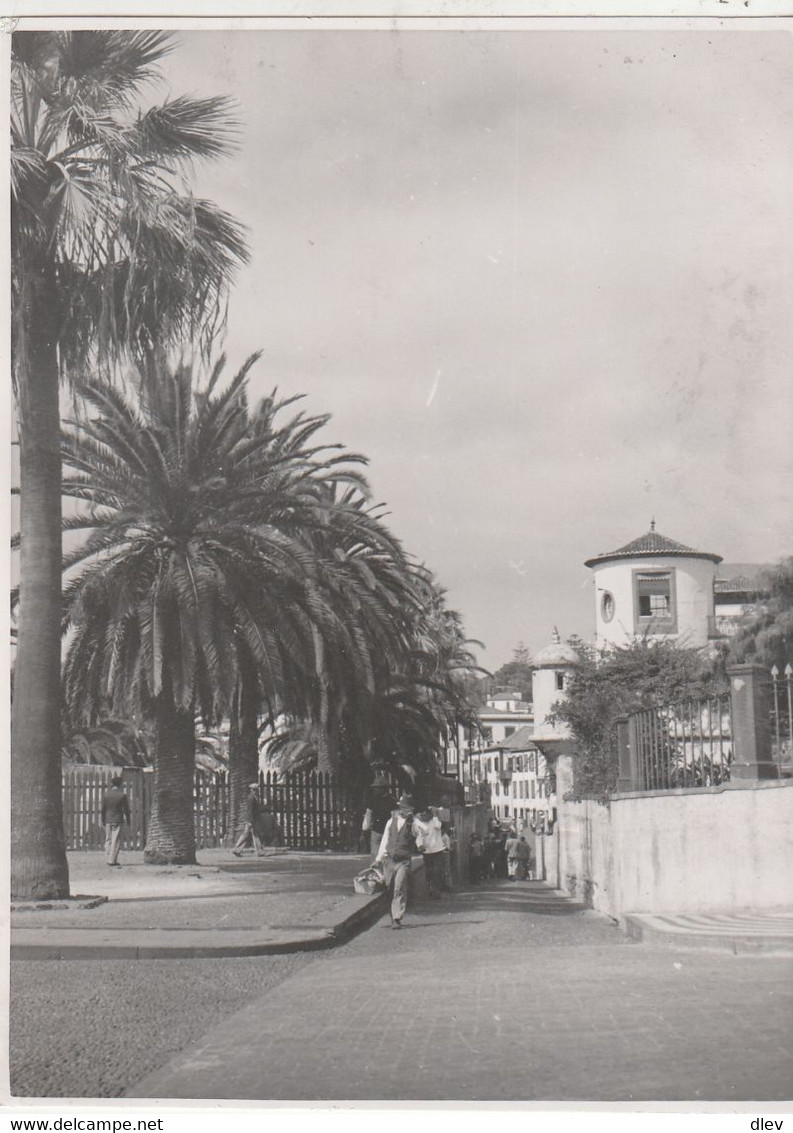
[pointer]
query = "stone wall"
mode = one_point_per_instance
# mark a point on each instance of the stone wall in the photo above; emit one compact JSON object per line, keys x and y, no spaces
{"x":706,"y":850}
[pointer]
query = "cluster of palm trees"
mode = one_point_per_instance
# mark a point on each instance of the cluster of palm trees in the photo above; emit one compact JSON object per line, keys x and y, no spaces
{"x":230,"y":564}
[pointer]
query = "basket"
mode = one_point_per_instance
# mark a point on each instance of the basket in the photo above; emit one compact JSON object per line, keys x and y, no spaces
{"x":369,"y":881}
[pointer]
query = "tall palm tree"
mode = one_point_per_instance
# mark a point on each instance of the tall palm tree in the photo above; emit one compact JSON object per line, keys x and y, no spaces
{"x":195,"y":591}
{"x":110,"y":254}
{"x":365,"y":569}
{"x":398,"y":688}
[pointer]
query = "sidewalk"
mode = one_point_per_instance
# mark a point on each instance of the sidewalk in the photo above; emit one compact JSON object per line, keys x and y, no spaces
{"x":224,"y":906}
{"x":739,"y":933}
{"x":502,"y":992}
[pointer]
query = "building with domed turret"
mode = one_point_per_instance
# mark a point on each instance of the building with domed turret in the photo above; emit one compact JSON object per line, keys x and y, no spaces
{"x":654,"y":587}
{"x":552,"y":668}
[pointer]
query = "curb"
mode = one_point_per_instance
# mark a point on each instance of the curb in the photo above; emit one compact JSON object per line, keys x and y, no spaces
{"x":674,"y":933}
{"x":357,"y":913}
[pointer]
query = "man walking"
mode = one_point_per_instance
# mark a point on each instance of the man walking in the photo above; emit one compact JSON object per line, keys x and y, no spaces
{"x":517,"y":857}
{"x":115,"y":812}
{"x":250,"y":815}
{"x":379,"y":802}
{"x":396,"y":848}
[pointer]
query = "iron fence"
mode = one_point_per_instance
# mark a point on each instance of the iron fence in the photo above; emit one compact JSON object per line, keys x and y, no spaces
{"x":686,"y":744}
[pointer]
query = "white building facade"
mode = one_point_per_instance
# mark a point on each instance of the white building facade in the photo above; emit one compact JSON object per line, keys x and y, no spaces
{"x":654,"y":587}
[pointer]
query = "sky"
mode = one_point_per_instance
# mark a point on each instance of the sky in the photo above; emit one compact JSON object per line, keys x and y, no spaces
{"x":542,"y":279}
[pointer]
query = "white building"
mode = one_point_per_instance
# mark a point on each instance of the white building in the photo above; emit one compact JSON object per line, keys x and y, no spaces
{"x":552,"y":668}
{"x":737,"y":589}
{"x":655,"y":587}
{"x":515,"y":778}
{"x":503,"y":715}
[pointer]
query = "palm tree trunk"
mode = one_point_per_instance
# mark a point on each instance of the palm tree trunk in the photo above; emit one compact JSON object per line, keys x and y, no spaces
{"x":243,"y":751}
{"x":39,"y":868}
{"x":327,"y":747}
{"x":171,"y":833}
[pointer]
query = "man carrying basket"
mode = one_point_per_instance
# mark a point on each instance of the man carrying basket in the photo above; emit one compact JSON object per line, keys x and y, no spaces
{"x":396,"y":848}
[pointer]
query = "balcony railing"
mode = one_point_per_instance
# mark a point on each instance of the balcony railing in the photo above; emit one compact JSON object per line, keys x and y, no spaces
{"x":722,"y":625}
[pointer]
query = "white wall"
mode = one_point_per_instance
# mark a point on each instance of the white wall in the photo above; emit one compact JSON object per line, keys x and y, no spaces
{"x":717,"y":849}
{"x":693,"y":589}
{"x":545,"y":694}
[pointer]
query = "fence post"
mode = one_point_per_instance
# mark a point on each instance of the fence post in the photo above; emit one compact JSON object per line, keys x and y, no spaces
{"x":636,"y":771}
{"x":750,"y":698}
{"x":626,"y":780}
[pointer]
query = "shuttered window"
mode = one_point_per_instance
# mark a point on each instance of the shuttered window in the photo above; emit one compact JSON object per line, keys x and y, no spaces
{"x":654,"y":597}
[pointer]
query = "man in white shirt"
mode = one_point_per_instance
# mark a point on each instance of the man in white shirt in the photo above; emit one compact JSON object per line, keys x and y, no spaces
{"x":396,"y":849}
{"x":428,"y":832}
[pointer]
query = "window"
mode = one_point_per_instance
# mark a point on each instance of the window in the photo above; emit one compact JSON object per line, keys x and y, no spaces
{"x":508,"y":730}
{"x":607,"y":606}
{"x":654,"y":601}
{"x":559,"y":682}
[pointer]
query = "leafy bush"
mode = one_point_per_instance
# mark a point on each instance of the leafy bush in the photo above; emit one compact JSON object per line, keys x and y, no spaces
{"x":621,"y":680}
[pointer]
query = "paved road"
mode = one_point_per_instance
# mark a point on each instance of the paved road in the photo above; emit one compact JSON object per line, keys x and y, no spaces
{"x":503,"y":993}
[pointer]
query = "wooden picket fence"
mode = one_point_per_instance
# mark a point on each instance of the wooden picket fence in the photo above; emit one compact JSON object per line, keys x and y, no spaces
{"x":83,"y":788}
{"x":314,"y":811}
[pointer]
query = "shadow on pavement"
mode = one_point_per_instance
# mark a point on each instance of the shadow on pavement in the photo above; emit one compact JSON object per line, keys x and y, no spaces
{"x":525,"y":898}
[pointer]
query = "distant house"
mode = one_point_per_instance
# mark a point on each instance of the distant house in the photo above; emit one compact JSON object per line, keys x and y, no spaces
{"x":514,"y":777}
{"x":737,"y":589}
{"x":504,"y":714}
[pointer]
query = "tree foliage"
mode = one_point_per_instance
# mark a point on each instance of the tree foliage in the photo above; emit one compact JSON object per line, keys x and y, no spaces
{"x":766,"y":634}
{"x":112,"y":256}
{"x":618,"y":681}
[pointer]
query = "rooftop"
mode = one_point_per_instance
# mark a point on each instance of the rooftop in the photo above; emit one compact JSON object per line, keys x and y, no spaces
{"x":519,"y":740}
{"x":741,"y":578}
{"x":650,"y":544}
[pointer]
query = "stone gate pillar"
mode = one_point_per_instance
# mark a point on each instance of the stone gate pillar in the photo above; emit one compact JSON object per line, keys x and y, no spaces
{"x":750,"y":699}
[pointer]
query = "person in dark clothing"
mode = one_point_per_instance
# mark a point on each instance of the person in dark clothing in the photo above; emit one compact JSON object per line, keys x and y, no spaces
{"x":492,"y":854}
{"x":476,"y":857}
{"x":115,"y":812}
{"x":379,"y":802}
{"x":250,"y":814}
{"x":396,"y":849}
{"x":266,"y":828}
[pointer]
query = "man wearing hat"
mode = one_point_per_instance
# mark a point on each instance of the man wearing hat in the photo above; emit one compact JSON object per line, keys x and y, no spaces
{"x":379,"y":803}
{"x":396,"y":848}
{"x":250,"y":814}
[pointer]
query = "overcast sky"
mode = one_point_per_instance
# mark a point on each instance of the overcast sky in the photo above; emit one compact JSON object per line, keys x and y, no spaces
{"x":543,"y":279}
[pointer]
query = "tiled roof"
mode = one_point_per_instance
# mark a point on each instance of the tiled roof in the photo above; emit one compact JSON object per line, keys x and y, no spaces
{"x":519,"y":740}
{"x":649,"y":544}
{"x":741,"y":578}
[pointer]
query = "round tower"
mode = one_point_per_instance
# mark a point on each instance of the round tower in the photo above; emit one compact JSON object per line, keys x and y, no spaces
{"x":653,"y":587}
{"x":552,"y":668}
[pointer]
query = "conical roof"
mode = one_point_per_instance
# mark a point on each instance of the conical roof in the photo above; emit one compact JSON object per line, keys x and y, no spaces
{"x":650,"y":544}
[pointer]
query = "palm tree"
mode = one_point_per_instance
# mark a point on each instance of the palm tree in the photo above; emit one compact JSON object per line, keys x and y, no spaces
{"x":195,"y":592}
{"x":365,"y":569}
{"x":110,"y":255}
{"x":426,"y":695}
{"x":397,"y":689}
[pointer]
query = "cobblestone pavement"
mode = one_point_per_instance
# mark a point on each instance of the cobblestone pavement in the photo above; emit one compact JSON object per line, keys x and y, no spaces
{"x":503,"y":993}
{"x":87,"y":1028}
